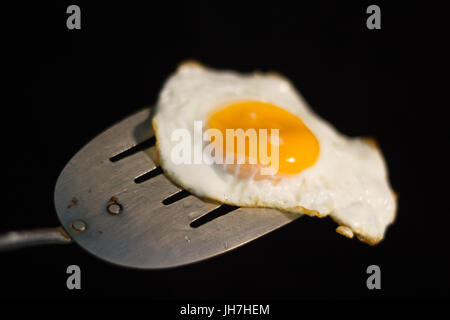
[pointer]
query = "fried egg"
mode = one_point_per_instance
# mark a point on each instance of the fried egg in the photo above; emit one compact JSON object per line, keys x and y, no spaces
{"x":318,"y":171}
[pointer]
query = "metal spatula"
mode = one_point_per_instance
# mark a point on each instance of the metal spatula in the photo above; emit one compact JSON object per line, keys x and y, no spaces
{"x":113,"y":201}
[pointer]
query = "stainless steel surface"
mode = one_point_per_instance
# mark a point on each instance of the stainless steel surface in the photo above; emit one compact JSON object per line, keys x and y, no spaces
{"x":146,"y":233}
{"x":20,"y":239}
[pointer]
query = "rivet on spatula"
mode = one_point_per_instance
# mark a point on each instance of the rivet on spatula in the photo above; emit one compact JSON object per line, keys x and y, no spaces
{"x":78,"y":226}
{"x":114,"y":207}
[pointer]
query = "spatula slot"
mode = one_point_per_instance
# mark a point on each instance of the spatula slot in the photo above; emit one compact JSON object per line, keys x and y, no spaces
{"x":214,"y":214}
{"x":148,"y":175}
{"x":139,"y":147}
{"x":176,"y":197}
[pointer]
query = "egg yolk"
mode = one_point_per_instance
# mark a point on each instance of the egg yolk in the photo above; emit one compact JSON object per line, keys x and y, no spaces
{"x":297,"y":145}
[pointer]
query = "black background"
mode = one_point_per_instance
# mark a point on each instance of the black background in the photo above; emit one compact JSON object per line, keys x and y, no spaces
{"x":69,"y":85}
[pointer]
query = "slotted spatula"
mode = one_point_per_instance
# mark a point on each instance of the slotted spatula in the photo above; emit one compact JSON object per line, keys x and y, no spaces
{"x":113,"y":201}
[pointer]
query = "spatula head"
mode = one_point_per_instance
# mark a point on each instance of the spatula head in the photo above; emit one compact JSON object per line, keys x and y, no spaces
{"x":115,"y":205}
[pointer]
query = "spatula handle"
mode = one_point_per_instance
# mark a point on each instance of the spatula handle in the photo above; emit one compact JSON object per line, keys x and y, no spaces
{"x":21,"y":239}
